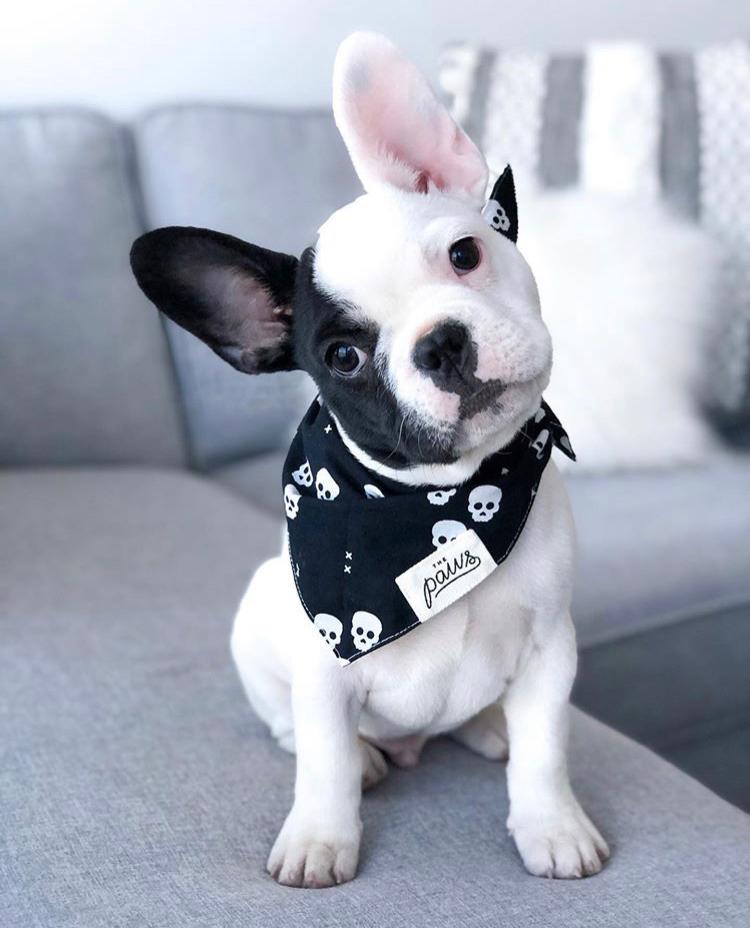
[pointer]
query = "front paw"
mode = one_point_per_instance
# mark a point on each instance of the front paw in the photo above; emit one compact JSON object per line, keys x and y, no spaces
{"x":566,"y":845}
{"x":312,"y":855}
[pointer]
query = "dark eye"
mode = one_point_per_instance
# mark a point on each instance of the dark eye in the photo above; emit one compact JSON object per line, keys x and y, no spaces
{"x":346,"y":360}
{"x":465,"y":255}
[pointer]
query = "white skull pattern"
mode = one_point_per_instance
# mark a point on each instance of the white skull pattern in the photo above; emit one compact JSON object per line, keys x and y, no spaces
{"x":439,"y":497}
{"x":291,"y":500}
{"x":446,"y":530}
{"x":540,"y":442}
{"x":496,"y":216}
{"x":484,"y":502}
{"x":326,"y":486}
{"x":372,"y":492}
{"x":330,"y":628}
{"x":366,"y":629}
{"x":303,"y":475}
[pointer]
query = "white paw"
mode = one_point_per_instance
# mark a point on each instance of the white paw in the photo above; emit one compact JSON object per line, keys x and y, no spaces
{"x":314,"y":856}
{"x":374,"y":764}
{"x":485,"y":734}
{"x":566,"y":847}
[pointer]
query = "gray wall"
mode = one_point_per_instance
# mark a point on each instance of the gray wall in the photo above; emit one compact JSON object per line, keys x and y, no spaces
{"x":124,"y":55}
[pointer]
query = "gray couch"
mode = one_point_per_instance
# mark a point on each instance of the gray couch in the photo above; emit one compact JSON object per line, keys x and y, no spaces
{"x":139,"y":489}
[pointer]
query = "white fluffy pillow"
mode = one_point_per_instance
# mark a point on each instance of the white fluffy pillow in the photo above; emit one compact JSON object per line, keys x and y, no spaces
{"x":630,"y":295}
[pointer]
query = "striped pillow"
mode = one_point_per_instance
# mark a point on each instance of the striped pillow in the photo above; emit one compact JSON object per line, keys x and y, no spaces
{"x":621,"y":118}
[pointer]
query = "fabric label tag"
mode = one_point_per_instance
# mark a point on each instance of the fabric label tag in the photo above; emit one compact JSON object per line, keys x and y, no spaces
{"x":441,"y":578}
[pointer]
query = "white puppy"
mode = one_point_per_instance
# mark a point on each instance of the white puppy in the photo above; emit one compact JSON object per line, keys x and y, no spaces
{"x":421,"y":326}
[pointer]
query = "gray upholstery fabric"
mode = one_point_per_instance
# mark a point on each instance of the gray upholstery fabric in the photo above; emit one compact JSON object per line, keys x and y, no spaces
{"x":731,"y":774}
{"x":139,"y":790}
{"x":679,"y":152}
{"x":270,"y":178}
{"x":84,"y":367}
{"x":656,"y":547}
{"x":678,"y":688}
{"x":257,"y":479}
{"x":561,"y":118}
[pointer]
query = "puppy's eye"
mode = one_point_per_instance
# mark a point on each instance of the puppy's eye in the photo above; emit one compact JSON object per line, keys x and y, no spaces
{"x":464,"y":255}
{"x":346,"y":360}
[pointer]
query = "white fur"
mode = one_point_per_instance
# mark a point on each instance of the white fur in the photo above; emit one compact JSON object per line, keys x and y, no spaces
{"x":506,"y":651}
{"x":630,"y":296}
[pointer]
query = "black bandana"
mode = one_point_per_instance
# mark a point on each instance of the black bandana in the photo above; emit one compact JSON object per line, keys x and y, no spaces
{"x":372,"y":558}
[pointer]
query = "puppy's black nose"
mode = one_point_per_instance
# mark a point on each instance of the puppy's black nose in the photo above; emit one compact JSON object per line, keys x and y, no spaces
{"x":445,"y":355}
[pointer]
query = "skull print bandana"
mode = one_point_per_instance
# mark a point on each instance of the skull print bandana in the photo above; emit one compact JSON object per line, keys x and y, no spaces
{"x":373,"y":558}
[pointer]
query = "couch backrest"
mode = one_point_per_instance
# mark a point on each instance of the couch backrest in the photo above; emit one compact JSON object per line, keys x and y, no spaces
{"x":85,"y":375}
{"x":269,"y":177}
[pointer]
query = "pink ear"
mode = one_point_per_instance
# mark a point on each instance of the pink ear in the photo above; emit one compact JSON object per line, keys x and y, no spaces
{"x":395,"y":128}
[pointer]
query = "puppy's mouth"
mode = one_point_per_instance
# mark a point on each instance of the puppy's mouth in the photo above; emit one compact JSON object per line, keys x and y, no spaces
{"x":483,"y":396}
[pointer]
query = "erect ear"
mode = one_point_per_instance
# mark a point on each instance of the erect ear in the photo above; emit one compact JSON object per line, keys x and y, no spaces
{"x":501,"y":211}
{"x":395,"y":128}
{"x":234,"y":296}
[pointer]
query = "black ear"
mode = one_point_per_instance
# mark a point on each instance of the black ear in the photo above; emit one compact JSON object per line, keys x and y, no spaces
{"x":234,"y":296}
{"x":501,"y":211}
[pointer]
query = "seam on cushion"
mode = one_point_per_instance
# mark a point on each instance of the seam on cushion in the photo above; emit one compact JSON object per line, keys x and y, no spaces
{"x":133,"y":204}
{"x":132,"y":170}
{"x":156,"y":112}
{"x":716,"y":726}
{"x":82,"y":113}
{"x":685,"y":614}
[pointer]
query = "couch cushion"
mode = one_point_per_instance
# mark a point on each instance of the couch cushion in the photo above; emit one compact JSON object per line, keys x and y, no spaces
{"x":85,"y":375}
{"x":271,"y":178}
{"x":682,"y":689}
{"x":661,"y":546}
{"x":138,"y":788}
{"x":257,"y":479}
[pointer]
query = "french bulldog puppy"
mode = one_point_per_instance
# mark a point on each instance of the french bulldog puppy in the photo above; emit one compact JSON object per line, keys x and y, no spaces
{"x":411,"y":260}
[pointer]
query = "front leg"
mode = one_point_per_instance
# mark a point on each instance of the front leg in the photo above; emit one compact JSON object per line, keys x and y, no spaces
{"x":553,"y":834}
{"x":319,"y":842}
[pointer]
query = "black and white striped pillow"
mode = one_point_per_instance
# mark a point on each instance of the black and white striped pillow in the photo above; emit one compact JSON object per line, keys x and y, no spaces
{"x":621,"y":118}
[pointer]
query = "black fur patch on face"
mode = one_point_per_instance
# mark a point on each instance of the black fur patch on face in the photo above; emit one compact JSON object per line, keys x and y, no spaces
{"x":364,"y":405}
{"x":449,"y":357}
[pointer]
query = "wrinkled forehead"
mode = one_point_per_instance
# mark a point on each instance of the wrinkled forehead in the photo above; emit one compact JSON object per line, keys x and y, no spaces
{"x":383,"y":242}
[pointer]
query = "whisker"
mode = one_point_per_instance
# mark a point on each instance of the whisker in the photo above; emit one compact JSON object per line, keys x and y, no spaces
{"x":398,"y":439}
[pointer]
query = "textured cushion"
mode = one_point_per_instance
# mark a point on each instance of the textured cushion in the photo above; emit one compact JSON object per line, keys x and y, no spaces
{"x":84,"y":367}
{"x":257,"y":479}
{"x":270,"y":178}
{"x":659,"y":547}
{"x":138,"y":788}
{"x":623,"y":119}
{"x":683,"y":683}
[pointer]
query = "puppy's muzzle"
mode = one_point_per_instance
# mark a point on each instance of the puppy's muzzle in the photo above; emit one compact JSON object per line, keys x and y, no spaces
{"x":447,"y":355}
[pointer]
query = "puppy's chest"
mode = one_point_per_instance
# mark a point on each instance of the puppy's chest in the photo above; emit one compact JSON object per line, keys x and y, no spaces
{"x":446,"y":670}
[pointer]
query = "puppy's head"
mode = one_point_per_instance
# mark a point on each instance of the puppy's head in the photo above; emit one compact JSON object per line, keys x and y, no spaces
{"x":419,"y":323}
